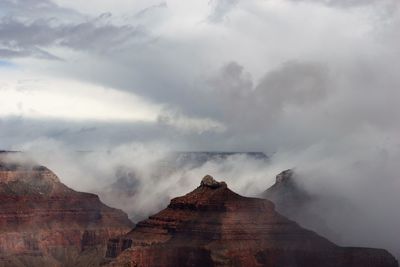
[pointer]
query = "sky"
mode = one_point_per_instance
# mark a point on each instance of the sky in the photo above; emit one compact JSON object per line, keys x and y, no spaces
{"x":213,"y":75}
{"x":314,"y":84}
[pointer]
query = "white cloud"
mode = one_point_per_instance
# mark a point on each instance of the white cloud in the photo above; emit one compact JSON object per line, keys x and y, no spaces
{"x":33,"y":96}
{"x":190,"y":124}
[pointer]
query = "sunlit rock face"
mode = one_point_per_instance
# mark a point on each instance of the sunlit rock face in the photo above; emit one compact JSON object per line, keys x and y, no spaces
{"x":45,"y":223}
{"x":213,"y":226}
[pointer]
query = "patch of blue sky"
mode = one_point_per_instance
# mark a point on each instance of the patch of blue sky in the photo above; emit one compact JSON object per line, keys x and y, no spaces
{"x":7,"y":64}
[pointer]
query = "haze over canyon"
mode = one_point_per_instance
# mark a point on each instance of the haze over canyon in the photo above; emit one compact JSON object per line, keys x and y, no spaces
{"x":112,"y":112}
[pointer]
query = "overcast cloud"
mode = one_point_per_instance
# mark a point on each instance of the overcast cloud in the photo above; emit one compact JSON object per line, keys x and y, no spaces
{"x":312,"y":83}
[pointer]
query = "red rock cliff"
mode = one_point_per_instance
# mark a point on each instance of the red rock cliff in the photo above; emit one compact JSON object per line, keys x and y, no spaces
{"x":45,"y":223}
{"x":213,"y":226}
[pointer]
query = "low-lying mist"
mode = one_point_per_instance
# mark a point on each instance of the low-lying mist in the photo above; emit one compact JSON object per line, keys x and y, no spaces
{"x":141,"y":179}
{"x":356,"y":193}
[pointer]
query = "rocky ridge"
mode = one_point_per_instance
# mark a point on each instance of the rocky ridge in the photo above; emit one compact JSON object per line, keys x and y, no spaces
{"x":213,"y":226}
{"x":45,"y":223}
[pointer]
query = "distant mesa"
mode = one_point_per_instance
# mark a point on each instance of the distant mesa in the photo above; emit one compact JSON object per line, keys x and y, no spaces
{"x":207,"y":155}
{"x":214,"y":226}
{"x":197,"y":158}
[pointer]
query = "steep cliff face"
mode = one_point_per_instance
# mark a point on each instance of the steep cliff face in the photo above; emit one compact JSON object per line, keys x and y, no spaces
{"x":213,"y":226}
{"x":45,"y":223}
{"x":288,"y":195}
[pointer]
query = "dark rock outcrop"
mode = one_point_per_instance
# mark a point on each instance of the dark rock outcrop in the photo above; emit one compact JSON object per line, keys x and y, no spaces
{"x":45,"y":223}
{"x":213,"y":226}
{"x":288,"y":196}
{"x":293,"y":200}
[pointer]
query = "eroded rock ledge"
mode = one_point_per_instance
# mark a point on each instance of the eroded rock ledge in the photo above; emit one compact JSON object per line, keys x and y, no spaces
{"x":209,"y":181}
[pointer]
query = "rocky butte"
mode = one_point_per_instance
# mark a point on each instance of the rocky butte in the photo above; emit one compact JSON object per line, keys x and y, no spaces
{"x":213,"y":226}
{"x":289,"y":197}
{"x":292,"y":200}
{"x":45,"y":223}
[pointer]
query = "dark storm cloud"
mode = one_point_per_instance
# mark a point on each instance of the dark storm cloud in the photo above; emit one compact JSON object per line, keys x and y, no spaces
{"x":252,"y":108}
{"x":33,"y":37}
{"x":29,"y":8}
{"x":294,"y":83}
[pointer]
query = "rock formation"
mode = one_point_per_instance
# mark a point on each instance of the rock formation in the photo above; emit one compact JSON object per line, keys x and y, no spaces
{"x":129,"y":179}
{"x":213,"y":226}
{"x":293,"y":201}
{"x":287,"y":194}
{"x":45,"y":223}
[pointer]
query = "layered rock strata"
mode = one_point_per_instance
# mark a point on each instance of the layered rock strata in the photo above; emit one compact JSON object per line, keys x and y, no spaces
{"x":45,"y":223}
{"x":213,"y":226}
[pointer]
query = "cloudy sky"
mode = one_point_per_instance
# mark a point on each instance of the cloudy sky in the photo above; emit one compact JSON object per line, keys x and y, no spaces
{"x":221,"y":74}
{"x":315,"y":84}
